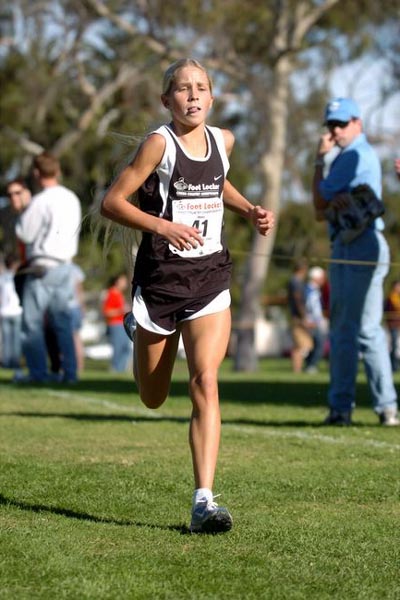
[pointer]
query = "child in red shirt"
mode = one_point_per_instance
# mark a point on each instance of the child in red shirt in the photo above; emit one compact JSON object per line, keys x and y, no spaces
{"x":114,"y":308}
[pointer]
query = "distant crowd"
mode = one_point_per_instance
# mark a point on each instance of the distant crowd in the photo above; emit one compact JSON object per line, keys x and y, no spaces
{"x":42,"y":288}
{"x":308,"y":303}
{"x":307,"y":295}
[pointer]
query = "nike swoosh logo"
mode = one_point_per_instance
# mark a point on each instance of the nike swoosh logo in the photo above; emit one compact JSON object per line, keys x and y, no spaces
{"x":216,"y":178}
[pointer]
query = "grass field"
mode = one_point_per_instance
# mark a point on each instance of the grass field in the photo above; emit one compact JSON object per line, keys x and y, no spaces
{"x":96,"y":490}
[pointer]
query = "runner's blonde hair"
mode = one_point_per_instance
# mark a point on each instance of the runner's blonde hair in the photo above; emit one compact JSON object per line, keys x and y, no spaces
{"x":170,"y":73}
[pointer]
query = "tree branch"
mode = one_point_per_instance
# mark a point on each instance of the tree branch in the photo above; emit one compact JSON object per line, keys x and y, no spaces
{"x":103,"y":11}
{"x":305,"y":19}
{"x":25,"y":143}
{"x":97,"y":101}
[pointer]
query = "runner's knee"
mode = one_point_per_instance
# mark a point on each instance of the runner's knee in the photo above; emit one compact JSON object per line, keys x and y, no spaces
{"x":205,"y":386}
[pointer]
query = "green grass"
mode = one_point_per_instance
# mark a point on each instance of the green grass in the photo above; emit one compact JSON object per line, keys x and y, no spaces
{"x":95,"y":493}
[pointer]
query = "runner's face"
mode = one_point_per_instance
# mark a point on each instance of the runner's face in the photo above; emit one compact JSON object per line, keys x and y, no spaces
{"x":190,"y":98}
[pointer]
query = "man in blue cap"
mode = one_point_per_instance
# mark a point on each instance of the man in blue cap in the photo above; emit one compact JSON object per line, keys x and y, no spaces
{"x":360,"y":262}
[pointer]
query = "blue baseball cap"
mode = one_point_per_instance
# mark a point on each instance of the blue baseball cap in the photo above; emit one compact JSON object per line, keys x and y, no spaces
{"x":341,"y":109}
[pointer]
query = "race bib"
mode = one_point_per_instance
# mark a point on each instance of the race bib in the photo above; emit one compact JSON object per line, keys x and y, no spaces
{"x":205,"y":215}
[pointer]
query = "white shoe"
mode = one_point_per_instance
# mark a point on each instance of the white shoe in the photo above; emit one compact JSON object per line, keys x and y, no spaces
{"x":389,"y":418}
{"x":208,"y":517}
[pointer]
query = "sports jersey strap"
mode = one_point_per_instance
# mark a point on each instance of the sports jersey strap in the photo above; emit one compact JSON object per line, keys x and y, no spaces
{"x":170,"y":147}
{"x":218,"y":136}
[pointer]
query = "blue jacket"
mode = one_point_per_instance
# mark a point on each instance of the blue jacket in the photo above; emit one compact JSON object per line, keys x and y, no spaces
{"x":356,"y":164}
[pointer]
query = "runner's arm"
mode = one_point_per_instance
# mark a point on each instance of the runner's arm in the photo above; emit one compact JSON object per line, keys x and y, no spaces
{"x":117,"y":207}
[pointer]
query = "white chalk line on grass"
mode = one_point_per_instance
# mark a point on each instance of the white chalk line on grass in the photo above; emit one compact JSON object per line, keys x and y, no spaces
{"x":246,"y":430}
{"x":306,"y":436}
{"x":105,"y":403}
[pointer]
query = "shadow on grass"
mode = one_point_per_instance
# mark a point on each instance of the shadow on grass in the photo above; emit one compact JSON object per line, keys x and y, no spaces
{"x":304,"y":393}
{"x":95,"y":417}
{"x":81,"y":516}
{"x":111,"y":418}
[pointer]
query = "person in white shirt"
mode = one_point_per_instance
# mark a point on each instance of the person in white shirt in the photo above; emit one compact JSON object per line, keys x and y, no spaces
{"x":10,"y":316}
{"x":49,"y":228}
{"x":315,"y":318}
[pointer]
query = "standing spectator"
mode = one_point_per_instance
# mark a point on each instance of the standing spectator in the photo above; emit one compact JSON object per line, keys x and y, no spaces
{"x":10,"y":316}
{"x":392,"y":313}
{"x":49,"y":228}
{"x":356,"y":285}
{"x":302,"y":342}
{"x":315,"y":318}
{"x":20,"y":196}
{"x":114,"y":308}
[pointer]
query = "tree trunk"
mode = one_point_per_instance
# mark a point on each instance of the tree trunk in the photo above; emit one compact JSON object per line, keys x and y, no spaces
{"x":259,"y":258}
{"x":293,"y":21}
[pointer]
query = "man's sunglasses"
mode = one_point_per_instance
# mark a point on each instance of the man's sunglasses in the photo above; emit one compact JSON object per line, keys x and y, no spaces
{"x":331,"y":125}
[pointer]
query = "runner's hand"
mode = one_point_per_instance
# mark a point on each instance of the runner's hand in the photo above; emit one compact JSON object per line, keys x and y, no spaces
{"x":263,"y":220}
{"x":181,"y":236}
